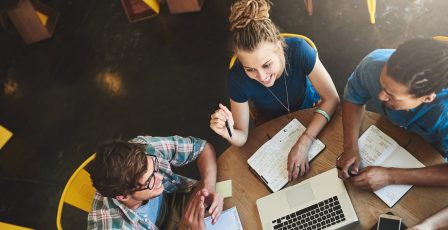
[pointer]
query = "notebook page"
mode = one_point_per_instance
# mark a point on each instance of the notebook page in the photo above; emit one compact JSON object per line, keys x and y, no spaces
{"x":375,"y":146}
{"x":228,"y":220}
{"x":401,"y":158}
{"x":270,"y":160}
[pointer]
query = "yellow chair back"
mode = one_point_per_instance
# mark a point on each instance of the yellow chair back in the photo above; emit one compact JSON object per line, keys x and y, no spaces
{"x":78,"y":191}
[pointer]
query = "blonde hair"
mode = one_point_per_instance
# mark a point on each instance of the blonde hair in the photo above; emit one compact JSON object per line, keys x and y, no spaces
{"x":250,"y":24}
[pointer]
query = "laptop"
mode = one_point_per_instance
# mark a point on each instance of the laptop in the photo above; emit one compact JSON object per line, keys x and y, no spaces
{"x":320,"y":202}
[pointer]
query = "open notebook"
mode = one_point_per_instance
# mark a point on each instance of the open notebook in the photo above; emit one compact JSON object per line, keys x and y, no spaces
{"x":228,"y":220}
{"x":269,"y":161}
{"x":376,"y":148}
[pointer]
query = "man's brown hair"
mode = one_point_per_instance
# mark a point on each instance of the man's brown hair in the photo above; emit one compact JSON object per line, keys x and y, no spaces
{"x":117,"y":167}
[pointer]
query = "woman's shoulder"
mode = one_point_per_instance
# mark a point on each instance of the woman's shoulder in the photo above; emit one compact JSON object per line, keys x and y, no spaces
{"x":295,"y":42}
{"x":298,"y":46}
{"x":236,"y":72}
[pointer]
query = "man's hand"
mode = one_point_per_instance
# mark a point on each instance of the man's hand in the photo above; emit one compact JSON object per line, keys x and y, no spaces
{"x":215,"y":203}
{"x":298,"y":157}
{"x":372,"y":178}
{"x":194,"y":214}
{"x":348,"y":164}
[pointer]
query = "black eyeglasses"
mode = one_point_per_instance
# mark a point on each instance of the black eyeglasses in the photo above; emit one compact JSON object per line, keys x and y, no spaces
{"x":152,"y":178}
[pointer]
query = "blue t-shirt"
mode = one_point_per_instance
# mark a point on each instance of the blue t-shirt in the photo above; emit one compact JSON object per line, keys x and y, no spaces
{"x":300,"y":60}
{"x":429,"y":120}
{"x":151,"y":210}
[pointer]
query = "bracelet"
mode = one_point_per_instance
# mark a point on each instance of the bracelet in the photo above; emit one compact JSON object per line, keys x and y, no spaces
{"x":323,"y":113}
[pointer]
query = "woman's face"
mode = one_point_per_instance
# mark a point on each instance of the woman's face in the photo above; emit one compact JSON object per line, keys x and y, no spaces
{"x":264,"y":64}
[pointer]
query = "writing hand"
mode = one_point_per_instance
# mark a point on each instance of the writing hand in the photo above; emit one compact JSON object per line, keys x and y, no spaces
{"x":218,"y":121}
{"x":348,"y":164}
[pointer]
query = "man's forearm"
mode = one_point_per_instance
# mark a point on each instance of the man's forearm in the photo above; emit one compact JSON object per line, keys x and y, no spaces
{"x":434,"y":175}
{"x":207,"y":167}
{"x":351,"y":121}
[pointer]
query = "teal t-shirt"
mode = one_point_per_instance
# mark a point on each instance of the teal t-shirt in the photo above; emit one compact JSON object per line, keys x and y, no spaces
{"x":300,"y":60}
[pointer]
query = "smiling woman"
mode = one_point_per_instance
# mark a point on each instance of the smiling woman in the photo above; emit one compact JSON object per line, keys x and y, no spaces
{"x":278,"y":75}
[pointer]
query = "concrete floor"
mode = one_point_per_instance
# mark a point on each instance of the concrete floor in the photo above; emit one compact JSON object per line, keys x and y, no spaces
{"x":101,"y":77}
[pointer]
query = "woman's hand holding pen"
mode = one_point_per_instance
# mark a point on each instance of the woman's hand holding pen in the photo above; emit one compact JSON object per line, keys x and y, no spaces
{"x":218,"y":122}
{"x":298,"y":157}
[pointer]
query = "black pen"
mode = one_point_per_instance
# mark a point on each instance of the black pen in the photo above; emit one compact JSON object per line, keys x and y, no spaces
{"x":228,"y":129}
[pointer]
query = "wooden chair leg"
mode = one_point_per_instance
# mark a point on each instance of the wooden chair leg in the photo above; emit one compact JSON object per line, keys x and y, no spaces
{"x":371,"y":5}
{"x":309,"y":6}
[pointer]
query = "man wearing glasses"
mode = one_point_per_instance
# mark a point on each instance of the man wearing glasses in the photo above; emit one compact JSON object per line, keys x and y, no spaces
{"x":136,"y":188}
{"x":409,"y":87}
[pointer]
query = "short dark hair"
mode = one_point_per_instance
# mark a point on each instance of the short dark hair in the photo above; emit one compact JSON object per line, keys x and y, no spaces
{"x":117,"y":167}
{"x":421,"y":65}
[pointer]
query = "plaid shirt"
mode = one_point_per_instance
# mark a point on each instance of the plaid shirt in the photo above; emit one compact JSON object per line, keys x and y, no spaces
{"x":109,"y":213}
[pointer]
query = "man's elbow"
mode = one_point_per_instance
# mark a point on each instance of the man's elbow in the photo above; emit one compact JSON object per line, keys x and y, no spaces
{"x":209,"y":150}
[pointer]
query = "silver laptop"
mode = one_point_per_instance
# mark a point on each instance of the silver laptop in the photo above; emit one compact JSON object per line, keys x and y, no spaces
{"x":320,"y":202}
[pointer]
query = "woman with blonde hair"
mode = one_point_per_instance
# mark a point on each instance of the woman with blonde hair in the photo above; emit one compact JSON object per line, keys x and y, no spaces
{"x":278,"y":75}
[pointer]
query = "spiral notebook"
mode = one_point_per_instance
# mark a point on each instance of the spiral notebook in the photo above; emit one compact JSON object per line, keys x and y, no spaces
{"x":377,"y":148}
{"x":269,"y":162}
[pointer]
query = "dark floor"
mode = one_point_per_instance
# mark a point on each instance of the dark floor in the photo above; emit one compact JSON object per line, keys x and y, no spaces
{"x":101,"y":77}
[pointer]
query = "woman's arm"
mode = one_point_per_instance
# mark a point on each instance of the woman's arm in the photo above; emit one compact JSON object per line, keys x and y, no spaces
{"x":322,"y":82}
{"x":298,"y":157}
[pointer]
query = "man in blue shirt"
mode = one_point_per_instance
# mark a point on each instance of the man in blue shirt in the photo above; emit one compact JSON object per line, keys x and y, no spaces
{"x":137,"y":189}
{"x":409,"y":87}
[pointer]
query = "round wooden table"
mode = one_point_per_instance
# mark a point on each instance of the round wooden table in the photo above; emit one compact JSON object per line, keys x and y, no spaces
{"x":417,"y":204}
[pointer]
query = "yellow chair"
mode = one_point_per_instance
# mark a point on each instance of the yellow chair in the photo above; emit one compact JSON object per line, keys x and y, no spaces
{"x":252,"y":110}
{"x":6,"y":226}
{"x":78,"y":191}
{"x":5,"y":135}
{"x":441,"y":38}
{"x":371,"y":6}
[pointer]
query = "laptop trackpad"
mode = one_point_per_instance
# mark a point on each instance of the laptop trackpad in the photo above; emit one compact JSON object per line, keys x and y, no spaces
{"x":299,"y":195}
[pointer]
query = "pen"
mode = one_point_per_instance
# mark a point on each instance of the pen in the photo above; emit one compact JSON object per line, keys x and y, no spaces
{"x":228,"y":129}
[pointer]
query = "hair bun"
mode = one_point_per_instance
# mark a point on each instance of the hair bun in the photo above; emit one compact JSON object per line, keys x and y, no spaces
{"x":244,"y":12}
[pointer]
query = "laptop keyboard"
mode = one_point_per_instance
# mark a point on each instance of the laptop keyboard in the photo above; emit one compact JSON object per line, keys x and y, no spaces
{"x":318,"y":216}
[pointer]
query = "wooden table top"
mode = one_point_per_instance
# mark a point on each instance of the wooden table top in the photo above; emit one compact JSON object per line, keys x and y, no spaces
{"x":419,"y":203}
